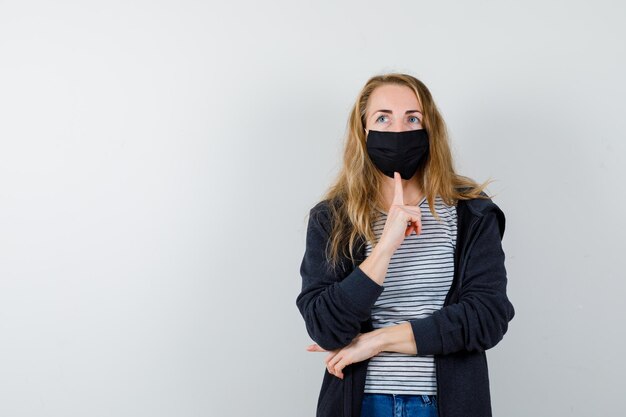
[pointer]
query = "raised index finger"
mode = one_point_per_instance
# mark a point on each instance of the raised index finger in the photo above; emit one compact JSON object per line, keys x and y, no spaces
{"x":398,"y":195}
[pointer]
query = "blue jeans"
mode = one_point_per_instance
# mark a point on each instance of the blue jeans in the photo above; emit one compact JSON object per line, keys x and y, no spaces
{"x":398,"y":405}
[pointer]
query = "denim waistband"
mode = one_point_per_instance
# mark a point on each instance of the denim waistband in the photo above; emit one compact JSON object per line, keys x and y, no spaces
{"x":424,"y":398}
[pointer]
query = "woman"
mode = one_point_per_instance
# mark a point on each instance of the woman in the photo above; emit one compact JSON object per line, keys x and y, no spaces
{"x":404,"y":296}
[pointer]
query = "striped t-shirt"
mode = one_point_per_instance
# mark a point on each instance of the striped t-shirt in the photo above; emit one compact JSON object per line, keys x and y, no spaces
{"x":418,"y":278}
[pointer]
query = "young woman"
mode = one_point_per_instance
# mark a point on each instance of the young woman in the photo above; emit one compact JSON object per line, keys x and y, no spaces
{"x":403,"y":276}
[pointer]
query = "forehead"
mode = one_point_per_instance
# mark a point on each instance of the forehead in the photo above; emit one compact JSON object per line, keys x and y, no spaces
{"x":393,"y":97}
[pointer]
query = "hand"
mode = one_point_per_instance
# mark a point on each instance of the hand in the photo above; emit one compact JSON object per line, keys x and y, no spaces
{"x":396,"y":228}
{"x":362,"y":347}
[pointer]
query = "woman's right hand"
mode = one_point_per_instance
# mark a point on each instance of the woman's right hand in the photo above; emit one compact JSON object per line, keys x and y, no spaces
{"x":401,"y":220}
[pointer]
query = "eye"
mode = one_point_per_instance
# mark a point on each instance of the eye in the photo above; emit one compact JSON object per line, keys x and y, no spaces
{"x":415,"y":118}
{"x":378,"y":119}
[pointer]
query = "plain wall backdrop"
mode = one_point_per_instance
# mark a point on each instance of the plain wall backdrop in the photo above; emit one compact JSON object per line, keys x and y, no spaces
{"x":158,"y":160}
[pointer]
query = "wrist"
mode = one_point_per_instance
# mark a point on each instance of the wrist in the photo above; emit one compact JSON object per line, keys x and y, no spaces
{"x":382,"y":340}
{"x":397,"y":338}
{"x":381,"y":251}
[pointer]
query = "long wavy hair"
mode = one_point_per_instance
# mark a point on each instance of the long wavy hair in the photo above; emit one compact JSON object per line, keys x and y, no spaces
{"x":356,"y":197}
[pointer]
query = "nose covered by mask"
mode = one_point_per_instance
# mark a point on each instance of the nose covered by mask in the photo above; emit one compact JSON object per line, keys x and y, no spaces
{"x":403,"y":152}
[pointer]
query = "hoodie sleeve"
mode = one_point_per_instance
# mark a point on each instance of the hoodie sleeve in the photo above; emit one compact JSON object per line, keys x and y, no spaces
{"x":332,"y":304}
{"x":480,"y":317}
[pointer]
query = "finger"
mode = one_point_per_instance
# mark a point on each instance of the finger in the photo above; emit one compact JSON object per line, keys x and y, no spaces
{"x":414,"y":226}
{"x":331,"y":370}
{"x":315,"y":348}
{"x":334,"y":361}
{"x":398,"y":196}
{"x":415,"y":221}
{"x":337,"y":368}
{"x":330,"y":356}
{"x":338,"y":373}
{"x":332,"y":364}
{"x":418,"y":226}
{"x":338,"y":363}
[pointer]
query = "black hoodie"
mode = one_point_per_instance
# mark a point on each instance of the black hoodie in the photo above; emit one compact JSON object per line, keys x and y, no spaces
{"x":336,"y":306}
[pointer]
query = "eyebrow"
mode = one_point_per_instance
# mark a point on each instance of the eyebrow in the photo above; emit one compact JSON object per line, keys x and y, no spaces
{"x":389,"y":111}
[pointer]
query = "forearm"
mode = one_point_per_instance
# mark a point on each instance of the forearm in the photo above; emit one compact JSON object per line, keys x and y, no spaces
{"x":376,"y":264}
{"x":398,"y":338}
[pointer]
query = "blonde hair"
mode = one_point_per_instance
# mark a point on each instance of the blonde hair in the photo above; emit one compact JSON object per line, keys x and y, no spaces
{"x":356,"y":194}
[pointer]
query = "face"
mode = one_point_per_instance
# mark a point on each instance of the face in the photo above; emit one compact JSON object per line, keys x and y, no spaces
{"x":393,"y":108}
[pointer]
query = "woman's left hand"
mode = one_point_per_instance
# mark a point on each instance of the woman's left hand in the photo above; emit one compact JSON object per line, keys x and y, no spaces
{"x":362,"y":347}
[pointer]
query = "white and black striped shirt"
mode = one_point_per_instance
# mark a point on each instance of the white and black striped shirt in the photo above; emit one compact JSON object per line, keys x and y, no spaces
{"x":418,"y":278}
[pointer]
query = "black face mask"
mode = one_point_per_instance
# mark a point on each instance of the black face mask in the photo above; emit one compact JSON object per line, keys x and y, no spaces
{"x":403,"y":152}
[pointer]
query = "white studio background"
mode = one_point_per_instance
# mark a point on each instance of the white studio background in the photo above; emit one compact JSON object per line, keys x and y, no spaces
{"x":158,"y":160}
